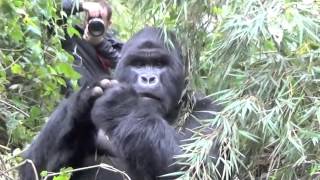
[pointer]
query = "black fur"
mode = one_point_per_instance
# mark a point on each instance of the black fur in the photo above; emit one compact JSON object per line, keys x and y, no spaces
{"x":137,"y":114}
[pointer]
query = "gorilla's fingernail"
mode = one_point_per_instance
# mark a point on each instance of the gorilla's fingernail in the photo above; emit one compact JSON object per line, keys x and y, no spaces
{"x":97,"y":91}
{"x":105,"y":83}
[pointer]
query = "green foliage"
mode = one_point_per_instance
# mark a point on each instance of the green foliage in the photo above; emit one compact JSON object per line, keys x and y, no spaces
{"x":272,"y":85}
{"x":259,"y":59}
{"x":64,"y":174}
{"x":44,"y":173}
{"x":33,"y":66}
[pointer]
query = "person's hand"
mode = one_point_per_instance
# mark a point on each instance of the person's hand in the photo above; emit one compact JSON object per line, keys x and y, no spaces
{"x":94,"y":9}
{"x":94,"y":40}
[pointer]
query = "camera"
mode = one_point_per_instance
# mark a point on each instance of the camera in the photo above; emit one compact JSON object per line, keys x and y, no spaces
{"x":96,"y":26}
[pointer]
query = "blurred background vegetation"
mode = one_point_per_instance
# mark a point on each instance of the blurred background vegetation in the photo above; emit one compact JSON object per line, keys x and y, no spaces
{"x":260,"y":59}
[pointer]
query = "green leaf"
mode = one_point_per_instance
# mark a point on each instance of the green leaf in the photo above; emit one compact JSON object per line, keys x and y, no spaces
{"x":249,"y":135}
{"x":61,"y":177}
{"x":17,"y":69}
{"x":72,"y":31}
{"x":63,"y":56}
{"x":33,"y":25}
{"x":35,"y":112}
{"x":66,"y":69}
{"x":61,"y":81}
{"x":44,"y":173}
{"x":34,"y":29}
{"x":15,"y":32}
{"x":64,"y":174}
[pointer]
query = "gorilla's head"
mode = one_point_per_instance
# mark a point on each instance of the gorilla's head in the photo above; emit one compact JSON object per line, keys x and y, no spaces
{"x":153,"y":65}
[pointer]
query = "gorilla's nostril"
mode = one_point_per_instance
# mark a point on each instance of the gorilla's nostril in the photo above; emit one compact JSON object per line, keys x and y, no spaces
{"x":148,"y":80}
{"x":144,"y":79}
{"x":152,"y":79}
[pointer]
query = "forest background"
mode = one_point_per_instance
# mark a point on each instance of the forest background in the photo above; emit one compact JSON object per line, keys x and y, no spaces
{"x":260,"y":59}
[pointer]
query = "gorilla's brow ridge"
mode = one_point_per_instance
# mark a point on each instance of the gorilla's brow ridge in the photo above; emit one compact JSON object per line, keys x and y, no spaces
{"x":147,"y":55}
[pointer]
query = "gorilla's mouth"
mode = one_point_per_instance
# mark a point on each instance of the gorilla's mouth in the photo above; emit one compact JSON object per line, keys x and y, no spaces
{"x":149,"y":95}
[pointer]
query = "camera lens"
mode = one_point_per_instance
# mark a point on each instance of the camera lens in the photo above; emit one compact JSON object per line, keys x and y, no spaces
{"x":96,"y":27}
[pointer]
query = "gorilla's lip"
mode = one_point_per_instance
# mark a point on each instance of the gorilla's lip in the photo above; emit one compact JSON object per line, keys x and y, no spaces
{"x":150,"y":95}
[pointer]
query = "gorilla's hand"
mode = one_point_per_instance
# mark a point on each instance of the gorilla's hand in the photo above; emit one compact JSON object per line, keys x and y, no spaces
{"x":81,"y":103}
{"x":118,"y":100}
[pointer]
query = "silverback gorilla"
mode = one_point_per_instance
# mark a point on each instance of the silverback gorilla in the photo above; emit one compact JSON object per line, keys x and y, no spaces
{"x":128,"y":122}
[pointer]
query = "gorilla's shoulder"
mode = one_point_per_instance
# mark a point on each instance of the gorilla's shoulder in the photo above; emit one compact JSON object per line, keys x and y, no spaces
{"x":204,"y":102}
{"x":205,"y":108}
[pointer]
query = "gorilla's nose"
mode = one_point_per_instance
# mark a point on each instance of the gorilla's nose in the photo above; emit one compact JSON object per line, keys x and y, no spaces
{"x":149,"y":80}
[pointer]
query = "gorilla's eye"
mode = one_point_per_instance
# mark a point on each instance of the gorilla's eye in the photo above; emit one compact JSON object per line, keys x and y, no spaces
{"x":159,"y":63}
{"x":138,"y":63}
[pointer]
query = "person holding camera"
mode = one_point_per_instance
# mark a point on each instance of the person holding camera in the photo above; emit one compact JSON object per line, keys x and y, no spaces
{"x":97,"y":51}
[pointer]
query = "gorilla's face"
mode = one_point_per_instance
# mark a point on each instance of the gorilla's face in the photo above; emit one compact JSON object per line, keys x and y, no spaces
{"x":154,"y":71}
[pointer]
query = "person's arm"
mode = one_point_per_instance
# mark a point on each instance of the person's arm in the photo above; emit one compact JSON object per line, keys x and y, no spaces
{"x":109,"y":48}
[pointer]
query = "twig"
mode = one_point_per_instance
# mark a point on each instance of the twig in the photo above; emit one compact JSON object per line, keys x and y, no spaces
{"x":12,"y":50}
{"x":10,"y":105}
{"x":102,"y":165}
{"x":6,"y":175}
{"x":3,"y":167}
{"x":14,"y":62}
{"x":5,"y":147}
{"x":16,"y":154}
{"x":21,"y":164}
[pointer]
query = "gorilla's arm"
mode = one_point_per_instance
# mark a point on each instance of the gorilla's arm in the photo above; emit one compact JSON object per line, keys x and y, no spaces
{"x":148,"y":143}
{"x":140,"y":135}
{"x":65,"y":140}
{"x":204,"y":109}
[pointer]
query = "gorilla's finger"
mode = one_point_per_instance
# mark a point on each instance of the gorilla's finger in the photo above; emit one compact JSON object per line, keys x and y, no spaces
{"x":105,"y":83}
{"x":96,"y":91}
{"x":114,"y":81}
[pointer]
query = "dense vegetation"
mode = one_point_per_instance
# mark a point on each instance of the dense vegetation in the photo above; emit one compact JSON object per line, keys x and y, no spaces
{"x":259,"y":58}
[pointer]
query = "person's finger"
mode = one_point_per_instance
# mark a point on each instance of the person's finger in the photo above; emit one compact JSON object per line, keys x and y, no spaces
{"x":93,"y":12}
{"x":84,"y":36}
{"x":85,"y":33}
{"x":97,"y":12}
{"x":103,"y":11}
{"x":86,"y":29}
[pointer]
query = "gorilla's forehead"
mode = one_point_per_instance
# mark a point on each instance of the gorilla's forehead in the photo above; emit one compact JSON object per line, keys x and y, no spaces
{"x":149,"y":33}
{"x":155,"y":53}
{"x":150,"y":37}
{"x":150,"y":42}
{"x":142,"y":42}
